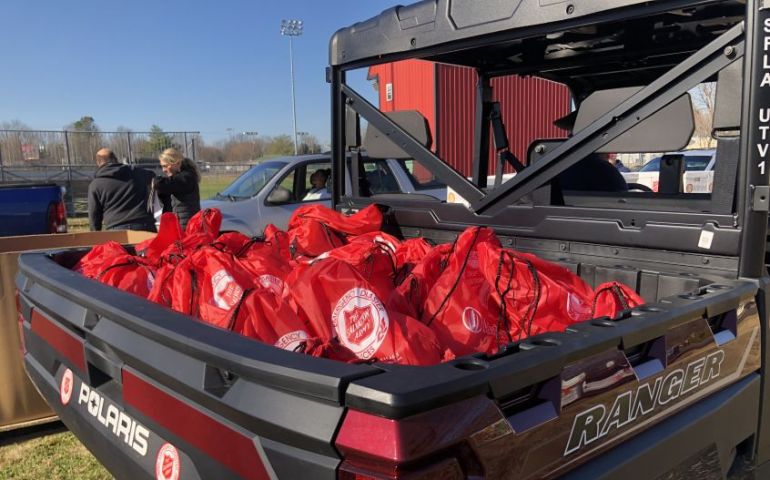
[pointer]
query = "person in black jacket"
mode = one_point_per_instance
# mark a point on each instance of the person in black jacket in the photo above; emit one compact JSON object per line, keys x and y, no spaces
{"x":118,"y":195}
{"x":178,"y":189}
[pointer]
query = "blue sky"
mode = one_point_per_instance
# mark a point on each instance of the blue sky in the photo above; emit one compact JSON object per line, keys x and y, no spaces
{"x":186,"y":65}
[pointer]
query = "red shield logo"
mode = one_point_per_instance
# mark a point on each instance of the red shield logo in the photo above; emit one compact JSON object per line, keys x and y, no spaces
{"x":359,"y":324}
{"x":167,"y":464}
{"x":66,"y":387}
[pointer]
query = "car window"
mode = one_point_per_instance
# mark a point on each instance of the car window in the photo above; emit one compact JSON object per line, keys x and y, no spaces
{"x":252,"y":181}
{"x":696,"y":162}
{"x":317,"y":182}
{"x":420,"y":176}
{"x":380,"y":177}
{"x":651,"y":166}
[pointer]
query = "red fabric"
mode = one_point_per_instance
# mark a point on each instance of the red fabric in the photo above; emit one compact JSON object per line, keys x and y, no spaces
{"x":169,"y":233}
{"x":232,"y":242}
{"x":373,"y":259}
{"x":611,"y":298}
{"x":128,"y":273}
{"x":412,"y":292}
{"x":264,"y":316}
{"x":364,"y":221}
{"x":460,"y":308}
{"x":312,"y":238}
{"x":93,"y":262}
{"x":266,"y":267}
{"x":208,"y":285}
{"x":339,"y":304}
{"x":535,"y":296}
{"x":204,"y":225}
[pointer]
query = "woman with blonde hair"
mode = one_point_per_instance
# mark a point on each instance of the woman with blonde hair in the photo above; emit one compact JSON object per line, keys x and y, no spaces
{"x":178,"y":186}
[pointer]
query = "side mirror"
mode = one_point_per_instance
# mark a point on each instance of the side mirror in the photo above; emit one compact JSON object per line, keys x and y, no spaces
{"x":279,"y":195}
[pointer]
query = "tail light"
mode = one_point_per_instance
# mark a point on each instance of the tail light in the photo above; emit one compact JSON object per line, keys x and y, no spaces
{"x":57,"y":216}
{"x":434,"y":444}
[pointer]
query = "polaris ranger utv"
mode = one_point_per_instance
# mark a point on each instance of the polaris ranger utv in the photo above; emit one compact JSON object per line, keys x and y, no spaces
{"x":676,"y":388}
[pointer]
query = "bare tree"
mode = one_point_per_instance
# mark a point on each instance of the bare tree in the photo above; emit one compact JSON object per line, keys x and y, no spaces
{"x":704,"y":98}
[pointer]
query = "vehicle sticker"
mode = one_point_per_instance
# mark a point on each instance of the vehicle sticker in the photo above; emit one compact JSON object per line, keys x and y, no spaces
{"x":118,"y":422}
{"x":66,"y":387}
{"x":167,"y":463}
{"x":706,"y":238}
{"x":598,"y":421}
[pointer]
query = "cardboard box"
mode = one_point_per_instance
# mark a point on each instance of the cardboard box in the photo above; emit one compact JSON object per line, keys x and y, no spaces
{"x":20,"y":403}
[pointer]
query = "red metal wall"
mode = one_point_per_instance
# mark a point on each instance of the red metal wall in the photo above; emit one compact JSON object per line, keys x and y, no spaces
{"x":446,"y":96}
{"x":529,"y":107}
{"x":414,"y":88}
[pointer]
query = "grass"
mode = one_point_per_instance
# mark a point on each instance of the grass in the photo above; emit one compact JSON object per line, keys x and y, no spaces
{"x":55,"y":456}
{"x":210,"y":185}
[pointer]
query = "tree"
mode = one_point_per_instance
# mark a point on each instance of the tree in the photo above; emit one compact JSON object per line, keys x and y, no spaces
{"x":704,"y":99}
{"x":309,"y":144}
{"x":85,"y":124}
{"x":157,"y":142}
{"x":84,"y":139}
{"x":280,"y":145}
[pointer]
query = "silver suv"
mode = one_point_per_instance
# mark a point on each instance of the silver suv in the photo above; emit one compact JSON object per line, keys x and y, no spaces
{"x":270,"y":191}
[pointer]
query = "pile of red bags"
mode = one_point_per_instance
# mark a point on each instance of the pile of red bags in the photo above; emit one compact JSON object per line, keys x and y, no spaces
{"x":338,"y":287}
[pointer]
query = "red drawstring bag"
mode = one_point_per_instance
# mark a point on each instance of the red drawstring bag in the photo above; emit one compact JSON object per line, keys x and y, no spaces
{"x":364,"y":221}
{"x":373,"y":260}
{"x":312,"y":238}
{"x":338,"y":303}
{"x":162,"y":288}
{"x":611,"y":298}
{"x":535,"y":296}
{"x":208,"y":285}
{"x":204,"y":225}
{"x":232,"y":242}
{"x":411,"y":294}
{"x":169,"y":233}
{"x":266,"y":268}
{"x":411,"y":252}
{"x":278,"y":240}
{"x":459,"y":308}
{"x":264,"y":316}
{"x":128,"y":273}
{"x":94,"y":262}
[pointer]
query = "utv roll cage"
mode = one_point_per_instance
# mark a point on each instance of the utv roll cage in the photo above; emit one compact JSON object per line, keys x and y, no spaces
{"x":662,"y":48}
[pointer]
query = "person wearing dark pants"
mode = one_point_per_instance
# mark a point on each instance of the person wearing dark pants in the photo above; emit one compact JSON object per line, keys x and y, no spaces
{"x":179,"y":184}
{"x":118,"y":195}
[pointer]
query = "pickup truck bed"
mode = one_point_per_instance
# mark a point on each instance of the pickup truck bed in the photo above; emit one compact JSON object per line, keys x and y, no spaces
{"x":229,"y":404}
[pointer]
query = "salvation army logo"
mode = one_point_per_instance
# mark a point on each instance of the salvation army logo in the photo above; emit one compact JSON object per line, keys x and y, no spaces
{"x":272,"y":283}
{"x":167,"y":464}
{"x":361,"y":322}
{"x":472,"y":320}
{"x":227,"y":292}
{"x":66,"y":387}
{"x":292,"y":340}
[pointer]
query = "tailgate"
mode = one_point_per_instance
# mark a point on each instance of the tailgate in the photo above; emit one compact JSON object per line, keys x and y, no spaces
{"x":152,"y":393}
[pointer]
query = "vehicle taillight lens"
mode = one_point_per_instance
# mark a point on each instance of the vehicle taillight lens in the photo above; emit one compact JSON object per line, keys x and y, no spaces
{"x":57,"y":217}
{"x":434,"y":444}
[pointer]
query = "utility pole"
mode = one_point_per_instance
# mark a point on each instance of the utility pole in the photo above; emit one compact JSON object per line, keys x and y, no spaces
{"x":291,"y":29}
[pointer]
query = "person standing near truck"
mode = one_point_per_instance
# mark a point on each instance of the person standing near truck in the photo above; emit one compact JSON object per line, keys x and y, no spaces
{"x":178,"y":188}
{"x":118,"y":195}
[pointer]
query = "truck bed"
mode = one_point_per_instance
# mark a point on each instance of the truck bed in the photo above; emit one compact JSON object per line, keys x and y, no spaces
{"x":140,"y":376}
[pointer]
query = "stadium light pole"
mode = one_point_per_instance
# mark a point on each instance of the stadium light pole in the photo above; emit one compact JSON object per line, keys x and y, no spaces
{"x":291,"y":29}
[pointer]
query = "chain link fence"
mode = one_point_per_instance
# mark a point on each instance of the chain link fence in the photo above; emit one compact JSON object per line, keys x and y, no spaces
{"x":67,"y":157}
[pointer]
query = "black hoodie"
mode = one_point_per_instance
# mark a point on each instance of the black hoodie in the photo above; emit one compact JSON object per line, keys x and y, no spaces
{"x":118,"y":195}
